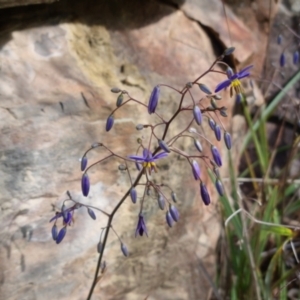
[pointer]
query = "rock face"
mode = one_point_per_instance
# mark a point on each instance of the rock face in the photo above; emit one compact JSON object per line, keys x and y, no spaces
{"x":58,"y":64}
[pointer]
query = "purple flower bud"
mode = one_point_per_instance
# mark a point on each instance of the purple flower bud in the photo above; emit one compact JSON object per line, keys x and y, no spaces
{"x":204,"y":194}
{"x":219,"y":187}
{"x":54,"y":232}
{"x":198,"y":145}
{"x":227,"y":139}
{"x":141,"y":226}
{"x":85,"y":184}
{"x":115,"y":90}
{"x":216,"y":171}
{"x":174,"y":196}
{"x":213,"y":103}
{"x":119,"y":100}
{"x":197,"y":114}
{"x":279,"y":39}
{"x":109,"y":123}
{"x":64,"y":212}
{"x":99,"y":247}
{"x":196,"y":170}
{"x":229,"y":72}
{"x":174,"y":212}
{"x":169,"y":219}
{"x":204,"y":89}
{"x":161,"y":201}
{"x":124,"y":250}
{"x":91,"y":213}
{"x":138,"y":166}
{"x":133,"y":195}
{"x":228,"y":51}
{"x":211,"y":124}
{"x":153,"y":101}
{"x":282,"y":59}
{"x":163,"y":145}
{"x":139,"y":127}
{"x":223,"y":112}
{"x":61,"y":235}
{"x":84,"y":162}
{"x":67,"y":217}
{"x":216,"y":156}
{"x":218,"y":132}
{"x":239,"y":98}
{"x":296,"y":57}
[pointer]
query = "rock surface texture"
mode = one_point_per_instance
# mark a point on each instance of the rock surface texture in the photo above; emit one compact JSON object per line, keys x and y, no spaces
{"x":58,"y":64}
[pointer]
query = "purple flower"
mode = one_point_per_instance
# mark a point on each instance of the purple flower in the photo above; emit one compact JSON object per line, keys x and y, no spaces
{"x":153,"y":100}
{"x":148,"y":160}
{"x":204,"y":194}
{"x":216,"y":156}
{"x":85,"y":184}
{"x":234,"y":80}
{"x":196,"y":170}
{"x":141,"y":226}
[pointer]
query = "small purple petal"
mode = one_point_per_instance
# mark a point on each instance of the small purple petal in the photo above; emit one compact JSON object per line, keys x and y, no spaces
{"x":138,"y":166}
{"x":133,"y":195}
{"x":85,"y":184}
{"x":227,"y":139}
{"x":219,"y":187}
{"x":91,"y":213}
{"x":124,"y":250}
{"x":216,"y":156}
{"x":141,"y":226}
{"x":229,"y":73}
{"x":136,"y":157}
{"x":109,"y":123}
{"x":169,"y":219}
{"x":197,"y":115}
{"x":163,"y":145}
{"x":223,"y":85}
{"x":244,"y":71}
{"x":153,"y":100}
{"x":83,"y":163}
{"x":160,"y":155}
{"x":196,"y":170}
{"x":204,"y":194}
{"x":174,"y":213}
{"x":57,"y":215}
{"x":218,"y":132}
{"x":54,"y":232}
{"x":61,"y":235}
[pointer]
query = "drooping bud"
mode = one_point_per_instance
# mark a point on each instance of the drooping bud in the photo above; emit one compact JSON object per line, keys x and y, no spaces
{"x":83,"y":163}
{"x":227,"y":139}
{"x":153,"y":100}
{"x":54,"y":232}
{"x":204,"y":194}
{"x":85,"y":184}
{"x":115,"y":90}
{"x":282,"y":59}
{"x":122,"y":167}
{"x":119,"y":100}
{"x":124,"y":250}
{"x":218,"y":132}
{"x":139,"y":127}
{"x":223,"y":112}
{"x":196,"y":170}
{"x":213,"y":103}
{"x":219,"y":187}
{"x":197,"y":114}
{"x":99,"y":247}
{"x":204,"y":89}
{"x":216,"y":171}
{"x":174,"y":196}
{"x":163,"y":145}
{"x":133,"y":195}
{"x":229,"y":72}
{"x":64,"y":212}
{"x":279,"y":39}
{"x":211,"y":124}
{"x":169,"y":219}
{"x":138,"y":166}
{"x":296,"y":57}
{"x":161,"y":201}
{"x":174,"y":213}
{"x":67,"y":217}
{"x":192,"y":130}
{"x":198,"y":145}
{"x":217,"y":97}
{"x":149,"y":191}
{"x":228,"y":51}
{"x":109,"y":123}
{"x":95,"y":145}
{"x":239,"y":98}
{"x":61,"y":235}
{"x":216,"y":156}
{"x":91,"y":213}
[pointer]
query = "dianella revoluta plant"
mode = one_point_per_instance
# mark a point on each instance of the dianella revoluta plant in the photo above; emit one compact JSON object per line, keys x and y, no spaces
{"x":143,"y":165}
